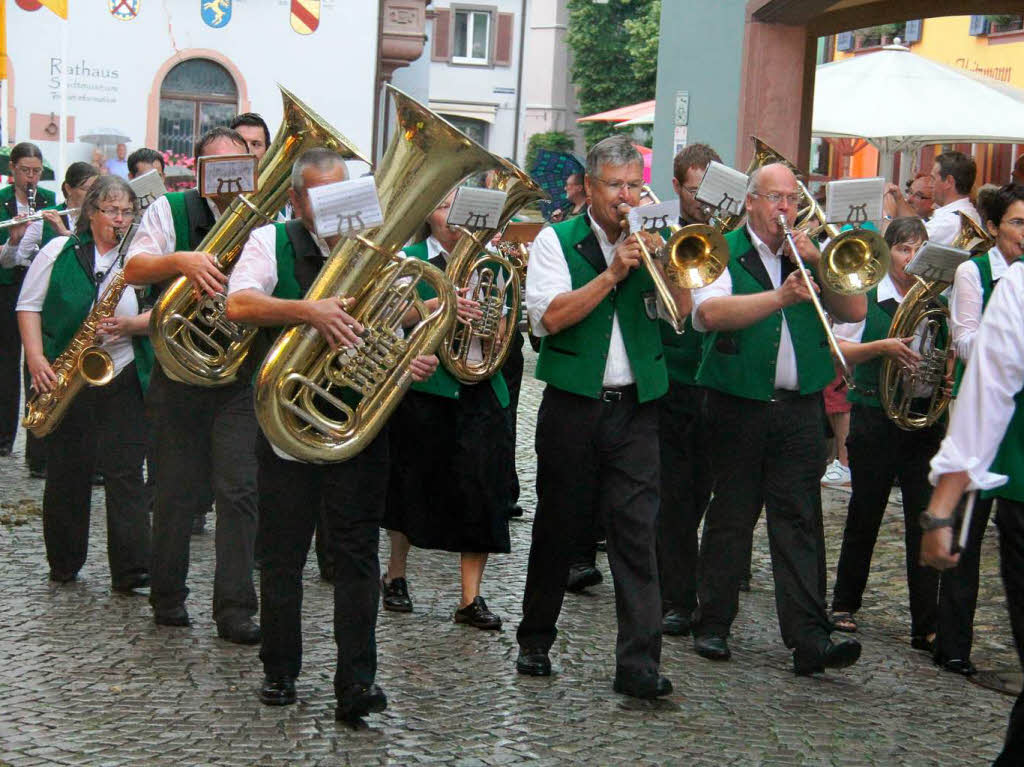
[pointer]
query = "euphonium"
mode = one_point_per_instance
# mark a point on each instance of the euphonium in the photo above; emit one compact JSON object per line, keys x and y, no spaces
{"x":320,"y":404}
{"x":470,"y":266}
{"x":82,"y":363}
{"x":193,"y":340}
{"x":972,"y":237}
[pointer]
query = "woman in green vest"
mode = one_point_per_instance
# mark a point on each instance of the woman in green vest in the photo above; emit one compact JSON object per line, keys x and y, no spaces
{"x":103,"y":427}
{"x":451,"y":448}
{"x":880,"y":452}
{"x":972,"y":288}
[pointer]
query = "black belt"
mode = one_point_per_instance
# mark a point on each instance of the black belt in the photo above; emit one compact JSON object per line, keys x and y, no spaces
{"x":618,"y":393}
{"x":789,"y":395}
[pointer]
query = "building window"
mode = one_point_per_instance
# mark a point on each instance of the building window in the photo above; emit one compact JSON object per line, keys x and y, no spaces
{"x":472,"y":37}
{"x":196,"y":95}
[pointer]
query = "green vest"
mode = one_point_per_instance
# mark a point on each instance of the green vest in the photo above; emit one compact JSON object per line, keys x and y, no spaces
{"x":186,"y":236}
{"x":69,"y":298}
{"x":9,"y":209}
{"x":1009,"y":459}
{"x":574,"y":359}
{"x":984,"y":265}
{"x":742,"y":362}
{"x":866,"y":375}
{"x":443,"y":383}
{"x":682,"y":352}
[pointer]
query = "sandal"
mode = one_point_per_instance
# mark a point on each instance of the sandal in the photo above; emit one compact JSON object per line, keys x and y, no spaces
{"x":844,"y":622}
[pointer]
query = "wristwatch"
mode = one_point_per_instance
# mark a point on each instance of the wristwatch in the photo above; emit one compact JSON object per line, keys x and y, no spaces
{"x":929,"y":522}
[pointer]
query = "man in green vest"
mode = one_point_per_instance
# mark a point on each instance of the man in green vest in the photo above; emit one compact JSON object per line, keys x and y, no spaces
{"x":268,"y":285}
{"x":595,"y":308}
{"x":765,"y":362}
{"x":203,"y":436}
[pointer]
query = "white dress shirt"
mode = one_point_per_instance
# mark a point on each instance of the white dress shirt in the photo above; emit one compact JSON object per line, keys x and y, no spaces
{"x":37,"y":285}
{"x":786,"y":376}
{"x":22,"y":253}
{"x":256,"y":268}
{"x":155,"y":235}
{"x":985,"y":403}
{"x":944,"y":224}
{"x":966,"y":301}
{"x":548,"y":276}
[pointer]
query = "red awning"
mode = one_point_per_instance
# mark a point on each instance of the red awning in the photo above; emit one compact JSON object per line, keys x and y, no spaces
{"x":621,"y":114}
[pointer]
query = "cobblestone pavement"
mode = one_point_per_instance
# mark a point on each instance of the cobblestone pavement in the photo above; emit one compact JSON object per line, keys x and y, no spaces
{"x":87,"y":678}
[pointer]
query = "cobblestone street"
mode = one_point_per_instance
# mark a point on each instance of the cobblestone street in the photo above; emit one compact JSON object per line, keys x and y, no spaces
{"x":87,"y":678}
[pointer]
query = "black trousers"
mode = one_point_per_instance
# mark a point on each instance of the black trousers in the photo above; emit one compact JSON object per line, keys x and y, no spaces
{"x":352,"y":495}
{"x":958,"y":592}
{"x":204,"y":436}
{"x":1010,"y":520}
{"x":104,"y":427}
{"x":879,"y":453}
{"x":685,"y":492}
{"x":604,"y":455}
{"x":10,"y":362}
{"x":770,"y":453}
{"x":512,"y":370}
{"x":35,"y":448}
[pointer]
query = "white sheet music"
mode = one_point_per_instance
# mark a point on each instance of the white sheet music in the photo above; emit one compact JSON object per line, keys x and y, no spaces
{"x":476,"y":208}
{"x":346,"y":207}
{"x":223,"y":174}
{"x":854,"y":200}
{"x":651,"y":218}
{"x":149,"y":186}
{"x":724,"y":189}
{"x":937,"y":262}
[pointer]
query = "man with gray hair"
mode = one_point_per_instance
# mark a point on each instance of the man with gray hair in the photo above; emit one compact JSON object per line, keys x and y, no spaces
{"x":765,"y":362}
{"x":595,"y":310}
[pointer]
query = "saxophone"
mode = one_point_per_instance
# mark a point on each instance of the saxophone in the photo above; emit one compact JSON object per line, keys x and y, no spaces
{"x":83,"y":362}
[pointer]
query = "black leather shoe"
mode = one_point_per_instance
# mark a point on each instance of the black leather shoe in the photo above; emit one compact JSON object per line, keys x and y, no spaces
{"x":37,"y":473}
{"x":395,"y":595}
{"x":477,"y":615}
{"x":60,"y":577}
{"x":533,"y":662}
{"x":581,"y":577}
{"x":129,"y":583}
{"x":98,"y":480}
{"x":5,"y":450}
{"x":176,"y":616}
{"x":199,"y":524}
{"x":358,"y":701}
{"x":675,"y":623}
{"x":744,"y":584}
{"x":277,"y":691}
{"x":647,"y":686}
{"x":712,"y":647}
{"x":516,"y":511}
{"x":923,"y":643}
{"x":960,"y":666}
{"x":830,"y":654}
{"x":243,"y":632}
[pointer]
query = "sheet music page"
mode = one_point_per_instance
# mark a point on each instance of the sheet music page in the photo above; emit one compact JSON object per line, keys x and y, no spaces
{"x":476,"y":208}
{"x":149,"y":186}
{"x":723,"y":188}
{"x":937,"y":262}
{"x":650,"y":218}
{"x":854,"y":200}
{"x":346,"y":207}
{"x":227,"y":174}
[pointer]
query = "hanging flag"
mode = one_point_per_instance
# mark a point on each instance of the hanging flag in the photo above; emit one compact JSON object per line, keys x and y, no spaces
{"x":3,"y":54}
{"x":216,"y":13}
{"x":124,"y":10}
{"x":305,"y":16}
{"x":29,"y":5}
{"x":60,"y":7}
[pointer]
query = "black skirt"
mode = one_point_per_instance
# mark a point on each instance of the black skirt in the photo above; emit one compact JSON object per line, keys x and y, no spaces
{"x":449,"y":486}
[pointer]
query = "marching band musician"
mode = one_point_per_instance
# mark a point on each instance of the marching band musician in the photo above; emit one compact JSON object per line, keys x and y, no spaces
{"x":104,"y":426}
{"x":881,"y":452}
{"x":452,"y":446}
{"x":597,"y":428}
{"x":972,"y":288}
{"x":765,"y":362}
{"x":202,"y":435}
{"x":254,"y":130}
{"x":26,"y":170}
{"x":274,"y":272}
{"x":143,"y":161}
{"x":984,"y":450}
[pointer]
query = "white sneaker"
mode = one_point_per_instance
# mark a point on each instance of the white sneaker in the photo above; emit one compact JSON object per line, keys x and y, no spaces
{"x":836,"y":475}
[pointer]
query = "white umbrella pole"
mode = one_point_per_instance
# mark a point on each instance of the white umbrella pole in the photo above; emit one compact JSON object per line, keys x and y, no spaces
{"x":4,"y":94}
{"x":62,"y":146}
{"x":906,"y":167}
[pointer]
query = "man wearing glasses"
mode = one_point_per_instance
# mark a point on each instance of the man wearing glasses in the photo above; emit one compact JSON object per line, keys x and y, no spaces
{"x":765,"y":362}
{"x":594,"y":307}
{"x":26,"y":171}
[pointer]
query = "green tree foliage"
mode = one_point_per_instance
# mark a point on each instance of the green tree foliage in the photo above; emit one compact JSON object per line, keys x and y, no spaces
{"x":615,"y":56}
{"x":553,"y":140}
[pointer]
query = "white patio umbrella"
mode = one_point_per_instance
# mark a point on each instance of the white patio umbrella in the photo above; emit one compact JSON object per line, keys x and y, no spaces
{"x":105,"y":136}
{"x":899,"y":102}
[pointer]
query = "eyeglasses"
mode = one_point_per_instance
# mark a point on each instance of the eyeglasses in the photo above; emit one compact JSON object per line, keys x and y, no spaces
{"x":118,"y":212}
{"x":691,"y":190}
{"x":775,"y":197}
{"x":616,"y":186}
{"x":921,"y":195}
{"x":28,"y":171}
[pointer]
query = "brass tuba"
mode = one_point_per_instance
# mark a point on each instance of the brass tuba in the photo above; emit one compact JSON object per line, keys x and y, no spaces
{"x":972,"y":237}
{"x":320,"y":404}
{"x":193,"y":340}
{"x":470,"y":266}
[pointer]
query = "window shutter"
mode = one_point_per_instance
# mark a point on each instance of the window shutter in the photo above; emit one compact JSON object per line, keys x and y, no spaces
{"x":912,"y":33}
{"x":844,"y":41}
{"x":503,"y":39}
{"x":979,"y":25}
{"x":440,"y":49}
